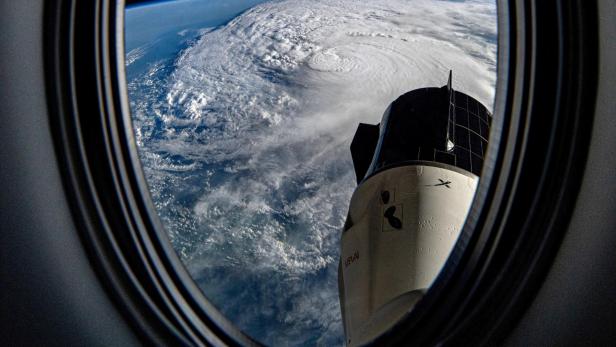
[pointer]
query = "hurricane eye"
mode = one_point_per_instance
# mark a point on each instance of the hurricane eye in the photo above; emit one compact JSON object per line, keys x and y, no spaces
{"x":264,"y":126}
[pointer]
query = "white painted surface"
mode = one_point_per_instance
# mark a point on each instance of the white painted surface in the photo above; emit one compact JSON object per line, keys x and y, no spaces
{"x":384,"y":268}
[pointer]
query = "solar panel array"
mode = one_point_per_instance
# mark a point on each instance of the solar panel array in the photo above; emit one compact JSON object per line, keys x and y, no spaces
{"x":467,"y":134}
{"x":428,"y":124}
{"x":468,"y":131}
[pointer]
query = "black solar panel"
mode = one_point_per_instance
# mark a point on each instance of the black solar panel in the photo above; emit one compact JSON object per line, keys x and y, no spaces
{"x":433,"y":124}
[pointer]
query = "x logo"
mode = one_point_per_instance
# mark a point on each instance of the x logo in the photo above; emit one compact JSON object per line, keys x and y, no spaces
{"x":443,"y":183}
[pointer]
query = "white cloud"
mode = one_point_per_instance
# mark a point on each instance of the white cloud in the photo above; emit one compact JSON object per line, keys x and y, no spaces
{"x":246,"y":142}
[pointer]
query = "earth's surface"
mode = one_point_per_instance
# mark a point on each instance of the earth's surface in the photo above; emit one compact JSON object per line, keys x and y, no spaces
{"x":244,"y":112}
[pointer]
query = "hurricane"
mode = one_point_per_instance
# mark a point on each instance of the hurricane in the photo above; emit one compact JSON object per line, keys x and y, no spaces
{"x":244,"y":140}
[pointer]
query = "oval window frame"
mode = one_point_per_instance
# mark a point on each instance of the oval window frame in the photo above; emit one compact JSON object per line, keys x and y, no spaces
{"x":545,"y":67}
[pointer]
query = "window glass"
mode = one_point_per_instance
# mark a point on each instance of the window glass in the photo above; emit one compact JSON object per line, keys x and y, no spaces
{"x":244,"y":112}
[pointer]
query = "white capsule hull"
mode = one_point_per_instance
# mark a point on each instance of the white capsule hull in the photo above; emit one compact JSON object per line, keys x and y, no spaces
{"x":404,"y":223}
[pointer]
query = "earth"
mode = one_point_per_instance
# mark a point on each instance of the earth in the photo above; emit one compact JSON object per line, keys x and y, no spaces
{"x":243,"y":113}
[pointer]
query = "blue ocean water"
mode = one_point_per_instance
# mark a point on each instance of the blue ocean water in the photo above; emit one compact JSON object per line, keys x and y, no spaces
{"x":160,"y":30}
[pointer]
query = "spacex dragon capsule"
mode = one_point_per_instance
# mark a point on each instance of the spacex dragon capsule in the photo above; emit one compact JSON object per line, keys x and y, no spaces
{"x":417,"y":172}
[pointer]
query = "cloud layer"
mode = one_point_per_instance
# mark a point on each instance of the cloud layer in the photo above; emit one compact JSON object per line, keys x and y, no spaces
{"x":245,"y":141}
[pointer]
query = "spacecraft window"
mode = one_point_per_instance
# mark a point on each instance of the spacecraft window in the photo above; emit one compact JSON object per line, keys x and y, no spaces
{"x":204,"y":154}
{"x":450,"y":145}
{"x":243,"y":113}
